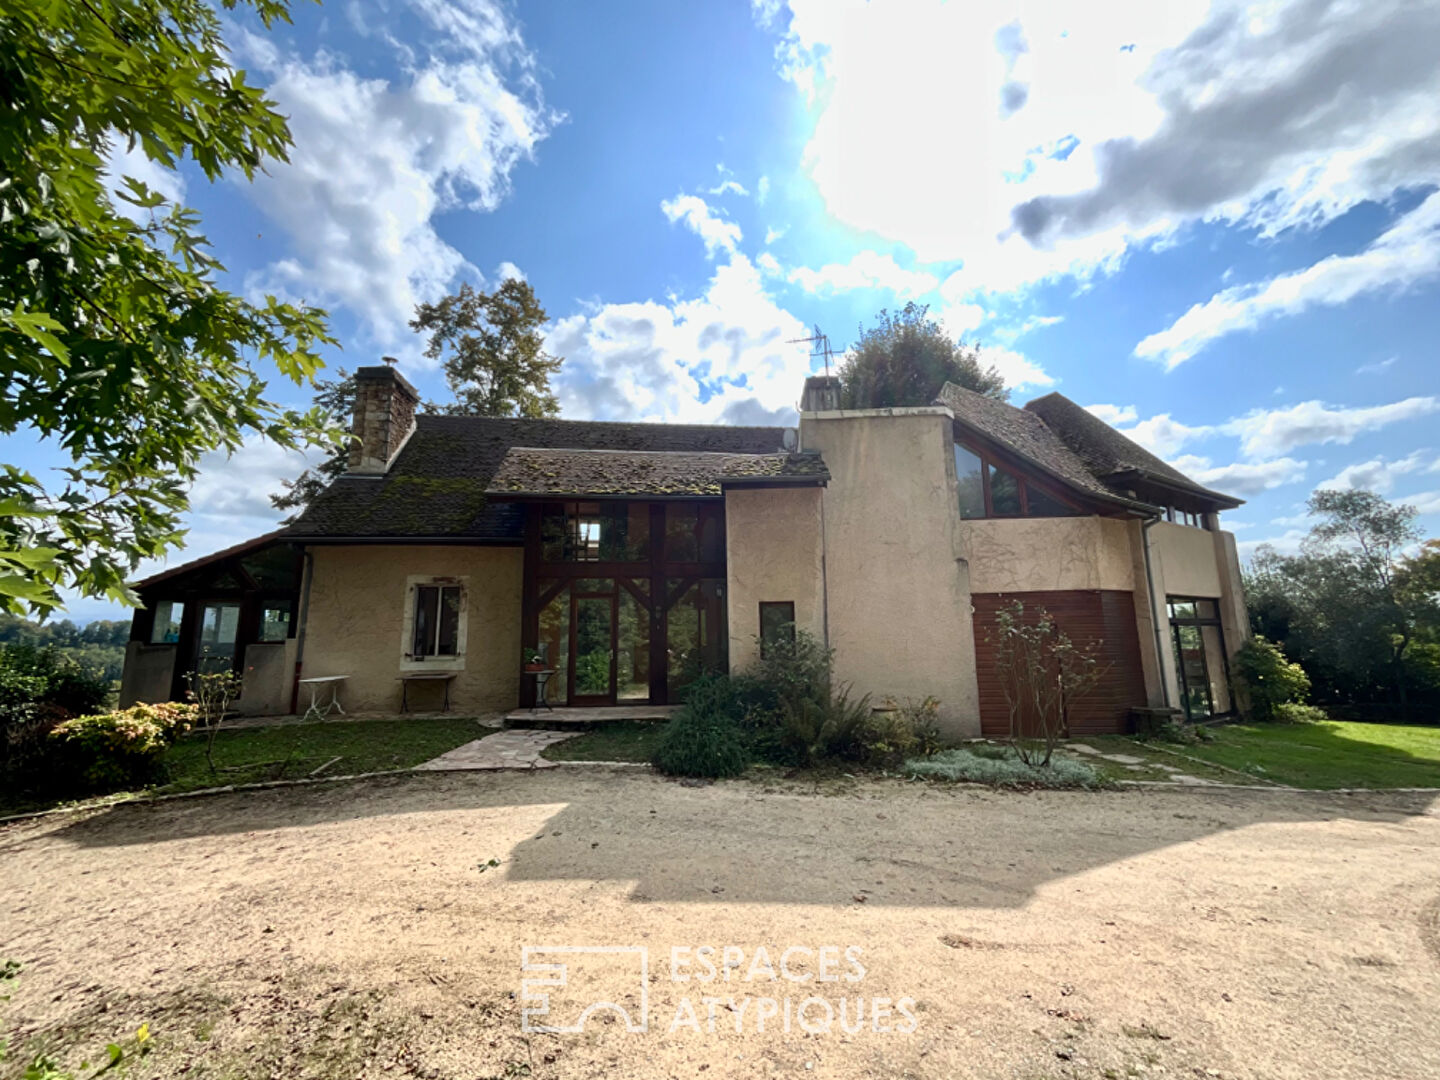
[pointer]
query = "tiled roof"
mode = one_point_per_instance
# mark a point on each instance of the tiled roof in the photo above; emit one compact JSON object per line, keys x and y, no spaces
{"x":1061,"y":438}
{"x":436,"y":488}
{"x":660,"y":473}
{"x":1107,"y":453}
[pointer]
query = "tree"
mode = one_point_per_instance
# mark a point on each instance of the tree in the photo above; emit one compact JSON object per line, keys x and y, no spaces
{"x":336,"y":399}
{"x":1042,"y":672}
{"x":1342,"y":606}
{"x":494,"y":352}
{"x":117,"y":343}
{"x":905,"y":359}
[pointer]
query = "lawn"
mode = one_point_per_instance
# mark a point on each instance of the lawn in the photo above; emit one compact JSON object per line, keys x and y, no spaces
{"x":622,"y":740}
{"x":289,"y":751}
{"x":1333,"y":754}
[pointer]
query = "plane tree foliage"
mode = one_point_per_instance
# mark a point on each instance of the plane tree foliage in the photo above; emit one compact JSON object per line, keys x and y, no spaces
{"x":120,"y":348}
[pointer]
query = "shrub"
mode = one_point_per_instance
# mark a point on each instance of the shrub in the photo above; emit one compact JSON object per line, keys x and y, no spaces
{"x":68,"y":686}
{"x":1000,"y":766}
{"x":701,"y":740}
{"x":832,"y":727}
{"x":1268,"y":679}
{"x":39,"y":687}
{"x":1294,"y":713}
{"x":791,"y":672}
{"x":1175,"y":731}
{"x":114,"y":750}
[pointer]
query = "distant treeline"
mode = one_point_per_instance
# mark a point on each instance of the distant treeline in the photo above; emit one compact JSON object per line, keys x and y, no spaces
{"x":98,"y":646}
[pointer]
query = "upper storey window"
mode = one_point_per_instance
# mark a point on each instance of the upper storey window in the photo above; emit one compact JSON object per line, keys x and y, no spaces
{"x":1185,"y":517}
{"x":988,"y":489}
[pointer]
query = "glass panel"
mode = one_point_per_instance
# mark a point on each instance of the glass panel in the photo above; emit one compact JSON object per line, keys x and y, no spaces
{"x":427,"y":600}
{"x":710,"y":533}
{"x":681,"y":543}
{"x":632,"y":674}
{"x":1215,"y":666}
{"x":449,"y":635}
{"x":1182,"y":609}
{"x":594,"y":643}
{"x":585,"y":533}
{"x":602,"y":585}
{"x":273,"y":569}
{"x":168,"y":614}
{"x":972,"y":491}
{"x":1190,"y":667}
{"x":1039,"y":504}
{"x":625,"y":532}
{"x":275,"y":620}
{"x":695,"y":639}
{"x":555,"y":645}
{"x":777,"y":623}
{"x":218,"y":623}
{"x":1206,"y":609}
{"x":552,"y":534}
{"x":1004,"y":492}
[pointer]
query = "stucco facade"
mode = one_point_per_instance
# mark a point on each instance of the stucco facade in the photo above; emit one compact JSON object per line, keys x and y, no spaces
{"x":1044,"y":554}
{"x":896,"y":577}
{"x":773,"y":552}
{"x":358,"y":607}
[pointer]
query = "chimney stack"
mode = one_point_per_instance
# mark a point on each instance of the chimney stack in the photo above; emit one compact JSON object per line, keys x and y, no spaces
{"x":821,"y":394}
{"x":384,"y":417}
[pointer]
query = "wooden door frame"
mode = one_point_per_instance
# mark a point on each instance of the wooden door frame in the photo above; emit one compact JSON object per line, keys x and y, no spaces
{"x":592,"y":700}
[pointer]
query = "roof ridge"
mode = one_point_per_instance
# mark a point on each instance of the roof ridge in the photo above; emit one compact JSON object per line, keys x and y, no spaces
{"x":661,"y":424}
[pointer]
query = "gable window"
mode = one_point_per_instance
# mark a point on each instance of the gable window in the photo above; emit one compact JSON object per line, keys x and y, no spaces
{"x":989,"y":489}
{"x":1192,"y":518}
{"x":777,"y":624}
{"x":437,"y":621}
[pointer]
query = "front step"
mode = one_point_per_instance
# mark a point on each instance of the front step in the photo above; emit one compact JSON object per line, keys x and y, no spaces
{"x":564,"y":718}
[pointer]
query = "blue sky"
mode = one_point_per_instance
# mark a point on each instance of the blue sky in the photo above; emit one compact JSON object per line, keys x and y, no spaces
{"x":1216,"y":224}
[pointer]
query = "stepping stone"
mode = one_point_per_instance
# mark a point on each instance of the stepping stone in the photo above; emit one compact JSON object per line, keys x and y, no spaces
{"x":1081,"y":748}
{"x":1123,"y":759}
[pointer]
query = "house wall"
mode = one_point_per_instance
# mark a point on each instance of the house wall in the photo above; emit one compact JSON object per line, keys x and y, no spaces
{"x":149,"y":671}
{"x":897,"y":582}
{"x":357,"y":613}
{"x":1046,"y":554}
{"x":268,"y":677}
{"x":773,"y":553}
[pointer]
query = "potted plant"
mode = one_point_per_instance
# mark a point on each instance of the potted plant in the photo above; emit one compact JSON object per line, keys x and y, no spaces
{"x":534,"y":660}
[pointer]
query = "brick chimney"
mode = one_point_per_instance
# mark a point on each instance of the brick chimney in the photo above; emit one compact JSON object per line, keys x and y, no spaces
{"x":821,"y":394}
{"x":384,"y":417}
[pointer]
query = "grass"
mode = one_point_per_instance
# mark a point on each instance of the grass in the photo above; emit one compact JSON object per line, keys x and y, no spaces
{"x":620,"y":740}
{"x":1153,"y":756}
{"x":1332,"y":754}
{"x":289,"y":752}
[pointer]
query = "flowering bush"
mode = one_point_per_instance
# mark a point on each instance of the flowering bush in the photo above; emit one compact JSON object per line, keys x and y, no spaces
{"x":114,"y":750}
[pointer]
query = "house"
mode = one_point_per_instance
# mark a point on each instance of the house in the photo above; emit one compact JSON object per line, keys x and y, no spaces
{"x":635,"y":555}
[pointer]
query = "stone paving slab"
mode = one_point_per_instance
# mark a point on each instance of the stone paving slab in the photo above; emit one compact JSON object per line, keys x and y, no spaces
{"x":518,"y":748}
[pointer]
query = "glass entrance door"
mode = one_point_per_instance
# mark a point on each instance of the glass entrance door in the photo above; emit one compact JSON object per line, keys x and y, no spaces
{"x":215,"y":643}
{"x":592,"y":621}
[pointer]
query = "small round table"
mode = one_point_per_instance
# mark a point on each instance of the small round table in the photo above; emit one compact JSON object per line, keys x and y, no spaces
{"x":542,"y":680}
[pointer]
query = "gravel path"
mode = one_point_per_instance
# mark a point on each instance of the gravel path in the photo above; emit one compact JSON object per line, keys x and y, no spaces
{"x":376,"y":928}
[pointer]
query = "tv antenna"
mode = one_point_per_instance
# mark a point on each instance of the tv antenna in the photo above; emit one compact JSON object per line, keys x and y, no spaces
{"x":819,"y":346}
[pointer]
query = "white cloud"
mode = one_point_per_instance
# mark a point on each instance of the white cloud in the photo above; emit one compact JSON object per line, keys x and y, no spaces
{"x":1286,"y":543}
{"x":865,"y":270}
{"x":762,"y":191}
{"x":1055,"y":136}
{"x":1242,"y":478}
{"x":123,"y":161}
{"x":1426,"y":502}
{"x":1377,"y":368}
{"x":960,"y":318}
{"x":1271,"y":432}
{"x":239,"y":485}
{"x":1380,"y":475}
{"x":772,"y":234}
{"x":1018,"y":370}
{"x":375,"y":161}
{"x":508,"y":271}
{"x":717,"y":233}
{"x":1114,"y":415}
{"x":651,"y":360}
{"x":1404,"y":255}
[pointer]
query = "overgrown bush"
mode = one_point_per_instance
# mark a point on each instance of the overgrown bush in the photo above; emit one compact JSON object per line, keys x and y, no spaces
{"x":701,"y":744}
{"x":39,"y":688}
{"x":1292,"y":712}
{"x":1268,"y":679}
{"x":1175,"y":731}
{"x":833,"y":726}
{"x":116,"y":750}
{"x":1001,"y":766}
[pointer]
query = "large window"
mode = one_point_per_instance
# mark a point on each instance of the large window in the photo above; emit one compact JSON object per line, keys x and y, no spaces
{"x":1200,"y":664}
{"x":989,"y":489}
{"x":595,"y":532}
{"x":168,"y":615}
{"x":436,"y":621}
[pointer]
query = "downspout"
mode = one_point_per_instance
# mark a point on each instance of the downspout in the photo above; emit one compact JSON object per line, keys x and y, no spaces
{"x":1154,"y":615}
{"x":824,"y":575}
{"x":307,"y":573}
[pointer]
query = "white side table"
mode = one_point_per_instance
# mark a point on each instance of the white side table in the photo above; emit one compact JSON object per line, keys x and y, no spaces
{"x":317,"y":689}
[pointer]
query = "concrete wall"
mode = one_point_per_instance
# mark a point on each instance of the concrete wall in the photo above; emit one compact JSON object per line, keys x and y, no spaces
{"x":1047,"y":554}
{"x":773,"y":553}
{"x":148,"y":672}
{"x":899,"y":590}
{"x":359,"y":596}
{"x":1185,"y":558}
{"x":268,"y":678}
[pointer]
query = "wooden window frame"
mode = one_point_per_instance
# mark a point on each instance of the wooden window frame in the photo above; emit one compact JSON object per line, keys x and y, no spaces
{"x":991,"y":460}
{"x":440,"y":587}
{"x":766,"y":605}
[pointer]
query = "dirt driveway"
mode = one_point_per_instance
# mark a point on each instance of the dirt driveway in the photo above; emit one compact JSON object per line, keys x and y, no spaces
{"x":359,"y":930}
